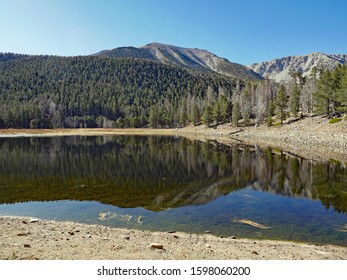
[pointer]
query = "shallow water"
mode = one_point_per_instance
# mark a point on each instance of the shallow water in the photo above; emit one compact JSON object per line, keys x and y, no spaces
{"x":170,"y":183}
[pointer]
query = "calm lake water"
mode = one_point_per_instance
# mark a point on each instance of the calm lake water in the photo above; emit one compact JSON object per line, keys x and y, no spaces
{"x":170,"y":183}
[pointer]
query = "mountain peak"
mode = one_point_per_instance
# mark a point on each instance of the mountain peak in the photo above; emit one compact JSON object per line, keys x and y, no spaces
{"x":158,"y":45}
{"x":192,"y":58}
{"x":168,"y":46}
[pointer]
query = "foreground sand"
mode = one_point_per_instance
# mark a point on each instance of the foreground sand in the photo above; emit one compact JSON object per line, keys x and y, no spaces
{"x":27,"y":238}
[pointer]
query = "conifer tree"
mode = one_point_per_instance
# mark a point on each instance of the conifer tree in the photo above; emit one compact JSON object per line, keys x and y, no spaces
{"x":281,"y":103}
{"x":295,"y":101}
{"x":207,"y":117}
{"x":323,"y":97}
{"x":217,"y":113}
{"x":183,"y":116}
{"x":195,"y":115}
{"x":342,"y":92}
{"x":153,"y":117}
{"x":225,"y":108}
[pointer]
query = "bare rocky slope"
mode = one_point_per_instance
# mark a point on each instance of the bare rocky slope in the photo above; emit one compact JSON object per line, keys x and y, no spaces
{"x":192,"y":58}
{"x":280,"y":69}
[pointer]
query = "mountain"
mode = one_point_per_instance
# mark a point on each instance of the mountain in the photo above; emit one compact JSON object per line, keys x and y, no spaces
{"x":196,"y":59}
{"x":280,"y":69}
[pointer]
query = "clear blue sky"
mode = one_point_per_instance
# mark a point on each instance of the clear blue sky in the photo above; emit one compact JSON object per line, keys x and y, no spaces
{"x":243,"y":31}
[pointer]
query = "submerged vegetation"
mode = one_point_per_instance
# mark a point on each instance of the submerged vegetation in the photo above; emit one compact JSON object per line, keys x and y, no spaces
{"x":251,"y":223}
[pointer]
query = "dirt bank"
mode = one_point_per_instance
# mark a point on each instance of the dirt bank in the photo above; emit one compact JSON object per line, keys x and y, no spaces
{"x":27,"y":238}
{"x":312,"y":138}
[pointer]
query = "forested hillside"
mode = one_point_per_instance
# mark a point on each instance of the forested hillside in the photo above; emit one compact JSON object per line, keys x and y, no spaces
{"x":96,"y":91}
{"x":87,"y":91}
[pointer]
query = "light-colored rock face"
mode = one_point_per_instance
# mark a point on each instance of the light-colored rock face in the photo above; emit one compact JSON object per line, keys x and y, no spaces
{"x":196,"y":59}
{"x":280,"y":69}
{"x":185,"y":56}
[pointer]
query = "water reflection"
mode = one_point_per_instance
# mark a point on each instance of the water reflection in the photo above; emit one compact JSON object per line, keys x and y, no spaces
{"x":157,"y":173}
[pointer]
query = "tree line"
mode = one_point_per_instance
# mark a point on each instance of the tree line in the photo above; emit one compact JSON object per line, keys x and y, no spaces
{"x":88,"y":91}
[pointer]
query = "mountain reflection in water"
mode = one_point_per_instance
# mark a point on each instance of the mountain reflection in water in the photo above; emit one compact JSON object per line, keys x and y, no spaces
{"x":165,"y":183}
{"x":157,"y":172}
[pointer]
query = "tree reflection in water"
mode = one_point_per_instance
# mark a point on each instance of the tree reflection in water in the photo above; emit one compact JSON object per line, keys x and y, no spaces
{"x":157,"y":173}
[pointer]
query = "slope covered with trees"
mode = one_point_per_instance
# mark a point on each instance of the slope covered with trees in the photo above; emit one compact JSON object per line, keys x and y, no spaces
{"x":324,"y":92}
{"x":96,"y":91}
{"x":86,"y":91}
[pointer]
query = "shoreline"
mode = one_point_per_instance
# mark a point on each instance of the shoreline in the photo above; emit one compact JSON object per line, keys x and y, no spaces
{"x":26,"y":238}
{"x":311,"y":138}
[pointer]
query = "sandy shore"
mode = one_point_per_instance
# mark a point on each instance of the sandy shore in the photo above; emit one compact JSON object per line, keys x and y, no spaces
{"x":28,"y":238}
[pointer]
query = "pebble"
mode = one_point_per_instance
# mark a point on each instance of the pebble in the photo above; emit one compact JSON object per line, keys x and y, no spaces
{"x":156,"y":246}
{"x":34,"y":220}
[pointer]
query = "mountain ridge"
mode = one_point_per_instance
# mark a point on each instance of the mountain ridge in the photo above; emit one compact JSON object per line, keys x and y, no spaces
{"x":280,"y":69}
{"x":193,"y":58}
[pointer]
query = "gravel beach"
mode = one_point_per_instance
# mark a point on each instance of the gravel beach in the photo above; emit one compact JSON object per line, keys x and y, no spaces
{"x":27,"y":238}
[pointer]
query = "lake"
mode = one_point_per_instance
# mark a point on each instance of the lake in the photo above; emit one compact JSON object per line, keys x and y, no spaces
{"x":172,"y":183}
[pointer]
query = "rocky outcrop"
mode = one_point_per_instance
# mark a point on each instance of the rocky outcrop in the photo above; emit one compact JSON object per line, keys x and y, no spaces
{"x":281,"y":69}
